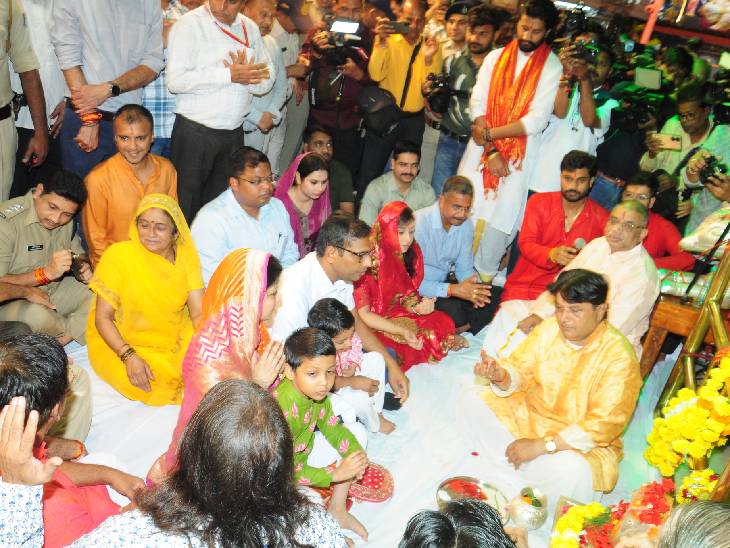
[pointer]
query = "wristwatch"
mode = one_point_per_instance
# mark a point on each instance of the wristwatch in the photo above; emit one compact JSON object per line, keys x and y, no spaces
{"x":550,"y":446}
{"x":114,"y":89}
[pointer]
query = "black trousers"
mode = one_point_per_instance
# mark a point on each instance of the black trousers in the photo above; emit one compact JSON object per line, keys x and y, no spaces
{"x":463,"y":312}
{"x":377,"y":149}
{"x":24,"y":178}
{"x":200,"y":156}
{"x":347,"y":148}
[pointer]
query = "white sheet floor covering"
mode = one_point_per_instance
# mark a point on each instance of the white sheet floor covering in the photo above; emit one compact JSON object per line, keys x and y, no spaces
{"x":437,"y":437}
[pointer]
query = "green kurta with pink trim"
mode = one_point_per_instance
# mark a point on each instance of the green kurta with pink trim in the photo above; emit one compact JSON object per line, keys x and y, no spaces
{"x":304,"y":415}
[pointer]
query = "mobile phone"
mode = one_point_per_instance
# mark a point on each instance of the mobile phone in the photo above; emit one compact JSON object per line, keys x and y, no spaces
{"x":668,"y":142}
{"x":648,"y":78}
{"x":344,"y":26}
{"x":400,"y":27}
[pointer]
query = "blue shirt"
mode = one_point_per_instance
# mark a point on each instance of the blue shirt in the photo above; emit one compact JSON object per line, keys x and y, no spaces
{"x":443,"y":251}
{"x":222,"y":226}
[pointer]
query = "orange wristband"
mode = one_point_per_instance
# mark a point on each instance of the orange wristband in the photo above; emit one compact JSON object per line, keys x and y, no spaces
{"x":41,"y":277}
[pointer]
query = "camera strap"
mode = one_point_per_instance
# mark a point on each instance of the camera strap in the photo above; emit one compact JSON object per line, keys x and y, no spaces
{"x":404,"y":95}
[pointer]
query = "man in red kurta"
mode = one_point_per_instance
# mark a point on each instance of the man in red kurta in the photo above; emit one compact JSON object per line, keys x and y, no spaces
{"x":555,"y":227}
{"x":662,"y":242}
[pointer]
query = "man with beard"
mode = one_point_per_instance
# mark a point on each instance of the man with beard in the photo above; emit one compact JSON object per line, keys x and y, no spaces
{"x":619,"y":257}
{"x":462,"y":68}
{"x":445,"y":233}
{"x":245,"y":215}
{"x":401,"y":184}
{"x":510,"y":105}
{"x":556,"y":226}
{"x":342,"y":195}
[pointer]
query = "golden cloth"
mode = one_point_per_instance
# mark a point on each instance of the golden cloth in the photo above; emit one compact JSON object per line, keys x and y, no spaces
{"x":584,"y":392}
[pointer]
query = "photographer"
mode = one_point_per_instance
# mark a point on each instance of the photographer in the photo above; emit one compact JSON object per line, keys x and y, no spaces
{"x":582,"y":110}
{"x":462,"y":69}
{"x":338,"y":74}
{"x":692,"y":126}
{"x":708,"y":163}
{"x":399,"y":64}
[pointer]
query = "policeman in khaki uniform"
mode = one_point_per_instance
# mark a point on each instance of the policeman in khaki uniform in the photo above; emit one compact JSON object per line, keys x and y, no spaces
{"x":37,"y":241}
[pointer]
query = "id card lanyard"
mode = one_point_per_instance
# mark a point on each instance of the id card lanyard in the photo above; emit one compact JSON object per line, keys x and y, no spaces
{"x":228,"y":33}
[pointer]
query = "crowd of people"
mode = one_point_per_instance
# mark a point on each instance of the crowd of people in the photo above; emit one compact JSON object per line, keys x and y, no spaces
{"x":268,"y":212}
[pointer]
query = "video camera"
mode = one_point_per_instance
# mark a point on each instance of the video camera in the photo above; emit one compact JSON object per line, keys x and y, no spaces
{"x":638,"y":105}
{"x":344,"y":40}
{"x":719,"y":95}
{"x":441,"y":93}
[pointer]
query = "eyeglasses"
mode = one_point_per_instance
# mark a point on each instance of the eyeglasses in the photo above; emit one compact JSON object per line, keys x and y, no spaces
{"x":632,"y":196}
{"x":360,"y":255}
{"x":626,"y":226}
{"x":269,"y":180}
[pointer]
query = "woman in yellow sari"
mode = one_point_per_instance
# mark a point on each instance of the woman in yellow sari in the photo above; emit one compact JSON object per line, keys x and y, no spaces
{"x":149,"y":293}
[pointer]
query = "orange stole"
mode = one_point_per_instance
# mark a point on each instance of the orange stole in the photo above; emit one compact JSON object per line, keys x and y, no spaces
{"x":509,"y":100}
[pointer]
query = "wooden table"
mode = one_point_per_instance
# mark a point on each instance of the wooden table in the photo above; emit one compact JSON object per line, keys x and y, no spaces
{"x":669,"y":316}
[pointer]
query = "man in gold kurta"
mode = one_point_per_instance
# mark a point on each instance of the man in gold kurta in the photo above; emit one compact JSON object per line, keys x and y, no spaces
{"x":570,"y":387}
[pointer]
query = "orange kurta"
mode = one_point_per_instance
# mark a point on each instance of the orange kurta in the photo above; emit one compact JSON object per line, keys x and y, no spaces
{"x":593,"y":388}
{"x":114,"y":194}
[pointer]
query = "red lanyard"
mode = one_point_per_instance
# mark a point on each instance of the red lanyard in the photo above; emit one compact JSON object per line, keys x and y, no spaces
{"x":229,"y":33}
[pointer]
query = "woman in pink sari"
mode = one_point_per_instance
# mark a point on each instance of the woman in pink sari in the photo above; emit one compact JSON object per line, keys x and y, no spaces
{"x":232,"y":341}
{"x":387,"y":297}
{"x":304,"y":190}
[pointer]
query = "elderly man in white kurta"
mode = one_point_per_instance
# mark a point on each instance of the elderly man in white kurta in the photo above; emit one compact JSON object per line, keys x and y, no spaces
{"x":633,"y":285}
{"x":523,"y":78}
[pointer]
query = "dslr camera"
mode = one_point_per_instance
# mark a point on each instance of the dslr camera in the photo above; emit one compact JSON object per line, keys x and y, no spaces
{"x":638,"y":105}
{"x":586,"y":51}
{"x":441,"y":93}
{"x":719,"y":95}
{"x":713,"y":167}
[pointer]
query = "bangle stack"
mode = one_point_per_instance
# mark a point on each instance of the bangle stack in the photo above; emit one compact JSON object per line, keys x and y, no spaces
{"x":488,"y":134}
{"x":41,"y":277}
{"x":126,"y":354}
{"x":91,"y":118}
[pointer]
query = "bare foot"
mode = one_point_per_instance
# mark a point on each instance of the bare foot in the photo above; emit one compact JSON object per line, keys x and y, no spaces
{"x":459,"y":343}
{"x":66,"y":449}
{"x":386,"y":426}
{"x":348,"y":521}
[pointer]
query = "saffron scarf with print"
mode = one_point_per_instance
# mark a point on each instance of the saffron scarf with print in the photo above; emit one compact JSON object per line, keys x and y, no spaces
{"x":509,"y":100}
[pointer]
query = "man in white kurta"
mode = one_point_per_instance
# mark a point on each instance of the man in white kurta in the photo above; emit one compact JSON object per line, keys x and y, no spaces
{"x":500,"y":213}
{"x":633,"y":285}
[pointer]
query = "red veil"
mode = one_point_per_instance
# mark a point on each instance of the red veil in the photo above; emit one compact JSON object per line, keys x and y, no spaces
{"x":391,"y":292}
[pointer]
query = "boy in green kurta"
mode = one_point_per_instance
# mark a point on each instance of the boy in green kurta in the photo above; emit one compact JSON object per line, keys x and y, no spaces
{"x":303,"y":396}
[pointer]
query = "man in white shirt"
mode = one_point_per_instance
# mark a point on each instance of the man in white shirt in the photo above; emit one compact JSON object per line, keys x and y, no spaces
{"x":582,"y":112}
{"x":341,"y":258}
{"x":245,"y":215}
{"x":108,"y":51}
{"x":265,"y":123}
{"x":38,"y":21}
{"x":216,"y":63}
{"x":500,"y":157}
{"x":633,"y":285}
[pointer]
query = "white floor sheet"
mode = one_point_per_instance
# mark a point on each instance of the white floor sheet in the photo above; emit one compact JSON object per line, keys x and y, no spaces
{"x":438,"y":435}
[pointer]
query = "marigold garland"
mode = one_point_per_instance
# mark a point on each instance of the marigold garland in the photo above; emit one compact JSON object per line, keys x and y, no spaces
{"x":698,"y":485}
{"x":598,"y":526}
{"x":693,"y":423}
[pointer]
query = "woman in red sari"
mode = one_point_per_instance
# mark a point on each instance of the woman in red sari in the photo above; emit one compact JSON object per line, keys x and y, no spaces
{"x":387,"y":296}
